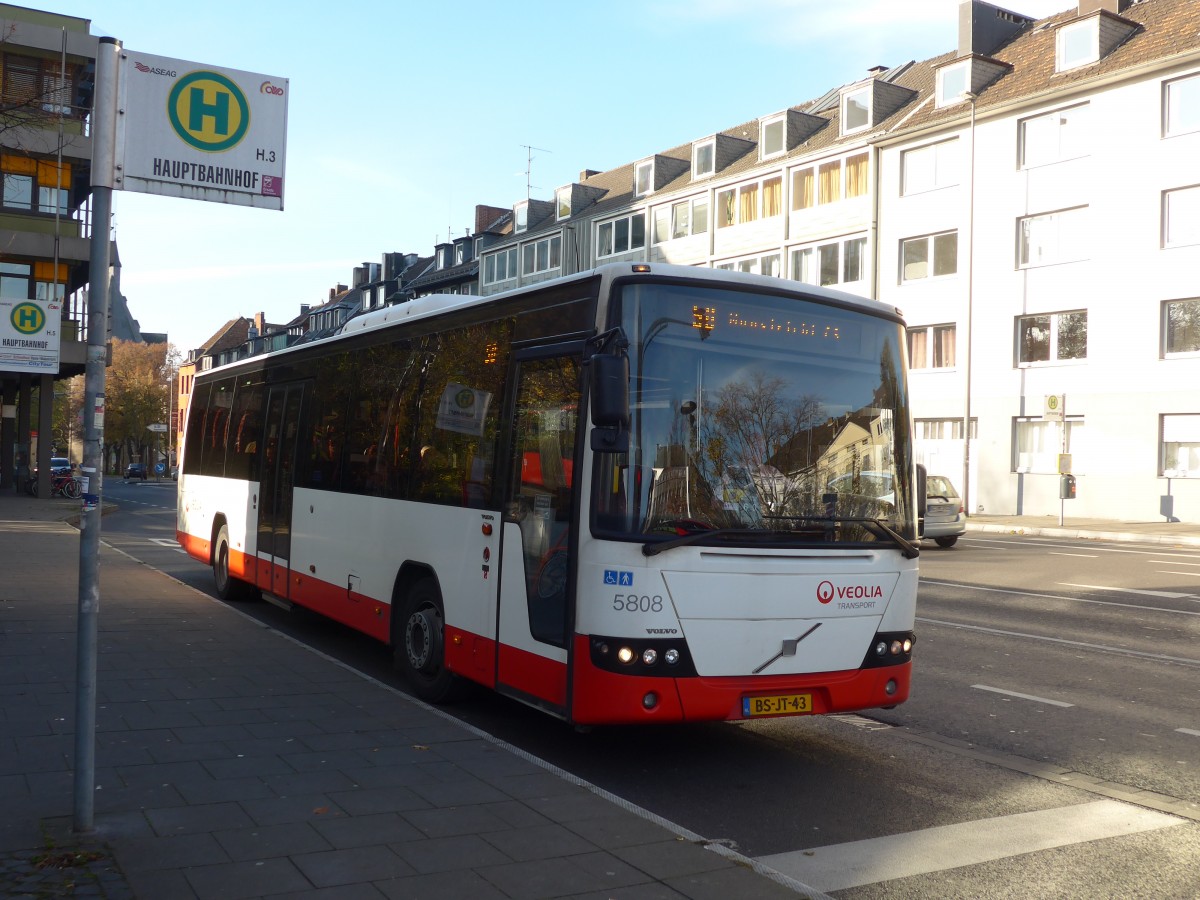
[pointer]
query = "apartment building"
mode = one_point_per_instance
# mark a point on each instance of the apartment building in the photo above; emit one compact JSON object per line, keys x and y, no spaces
{"x":1030,"y":200}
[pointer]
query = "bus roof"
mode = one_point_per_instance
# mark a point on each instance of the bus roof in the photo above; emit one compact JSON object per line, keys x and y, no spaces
{"x":433,"y":304}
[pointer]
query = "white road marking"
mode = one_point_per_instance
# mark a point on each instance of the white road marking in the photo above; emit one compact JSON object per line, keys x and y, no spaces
{"x":165,"y":542}
{"x":996,"y":690}
{"x":841,"y":866}
{"x":1171,"y":562}
{"x":1103,"y":648}
{"x":1091,"y":545}
{"x":1083,"y":555}
{"x":972,"y":587}
{"x":1170,"y":595}
{"x":1190,"y":731}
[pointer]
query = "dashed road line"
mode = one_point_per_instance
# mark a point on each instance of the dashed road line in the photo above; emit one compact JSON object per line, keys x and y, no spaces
{"x":1190,"y":731}
{"x":1035,"y":699}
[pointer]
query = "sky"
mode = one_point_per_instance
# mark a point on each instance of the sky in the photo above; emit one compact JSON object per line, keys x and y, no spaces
{"x":403,"y":115}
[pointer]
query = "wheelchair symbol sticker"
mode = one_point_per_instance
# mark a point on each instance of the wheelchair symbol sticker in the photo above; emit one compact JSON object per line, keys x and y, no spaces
{"x":618,"y":577}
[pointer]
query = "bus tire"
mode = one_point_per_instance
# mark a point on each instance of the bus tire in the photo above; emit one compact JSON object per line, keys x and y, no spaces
{"x":229,"y":588}
{"x":419,"y":647}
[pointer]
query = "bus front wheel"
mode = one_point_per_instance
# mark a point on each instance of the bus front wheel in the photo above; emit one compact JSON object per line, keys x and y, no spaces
{"x":420,"y":648}
{"x":228,"y":587}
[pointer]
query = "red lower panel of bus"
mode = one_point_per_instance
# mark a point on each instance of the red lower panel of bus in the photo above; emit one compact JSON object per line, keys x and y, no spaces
{"x":601,"y":696}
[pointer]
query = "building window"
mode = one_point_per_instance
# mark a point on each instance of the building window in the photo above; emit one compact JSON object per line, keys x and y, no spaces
{"x":931,"y":167}
{"x":680,"y":220}
{"x":562,"y":203}
{"x":1181,"y":327}
{"x":41,"y":85}
{"x":1050,"y":338}
{"x":1181,"y":217}
{"x":750,"y":202}
{"x":541,"y":256}
{"x":1051,"y":238}
{"x":952,"y":83}
{"x":704,"y":155}
{"x":829,"y":182}
{"x":643,"y":179}
{"x":931,"y":347}
{"x":943,"y":429}
{"x":520,"y":217}
{"x":1053,"y":137}
{"x":621,"y":235}
{"x":832,"y":263}
{"x":500,"y":266}
{"x":1179,"y":446}
{"x":1181,"y":106}
{"x":856,"y":110}
{"x":35,"y":185}
{"x":1037,"y":444}
{"x":32,"y":281}
{"x":763,"y":264}
{"x":1078,"y":44}
{"x":930,"y":256}
{"x":772,"y":138}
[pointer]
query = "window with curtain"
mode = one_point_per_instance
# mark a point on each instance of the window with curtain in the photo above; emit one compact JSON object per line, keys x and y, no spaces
{"x":1179,"y":445}
{"x":748,"y":202}
{"x":1037,"y":443}
{"x":772,"y":204}
{"x":803,"y":189}
{"x":726,"y":210}
{"x":856,"y":175}
{"x":931,"y":347}
{"x":829,"y":181}
{"x":933,"y":255}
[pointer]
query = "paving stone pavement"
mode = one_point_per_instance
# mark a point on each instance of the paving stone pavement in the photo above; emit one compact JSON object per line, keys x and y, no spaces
{"x":232,"y":762}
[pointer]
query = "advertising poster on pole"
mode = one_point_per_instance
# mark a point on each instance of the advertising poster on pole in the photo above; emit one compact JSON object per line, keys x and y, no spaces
{"x":201,"y":132}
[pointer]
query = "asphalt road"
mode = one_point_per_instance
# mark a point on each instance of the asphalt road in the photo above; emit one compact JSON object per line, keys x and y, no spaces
{"x":1034,"y":656}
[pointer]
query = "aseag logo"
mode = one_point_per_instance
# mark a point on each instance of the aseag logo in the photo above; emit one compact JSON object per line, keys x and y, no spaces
{"x":208,"y":111}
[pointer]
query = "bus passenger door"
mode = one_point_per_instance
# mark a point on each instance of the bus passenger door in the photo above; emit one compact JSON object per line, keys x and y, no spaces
{"x":535,"y":597}
{"x":281,"y":432}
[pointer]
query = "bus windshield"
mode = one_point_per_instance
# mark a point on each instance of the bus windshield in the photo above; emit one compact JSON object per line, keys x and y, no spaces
{"x":758,"y":417}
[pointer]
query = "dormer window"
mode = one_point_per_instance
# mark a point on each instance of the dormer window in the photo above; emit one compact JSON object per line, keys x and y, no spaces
{"x":856,"y":110}
{"x":952,"y":83}
{"x":643,"y":179}
{"x":772,"y":137}
{"x":704,"y":158}
{"x":1078,"y":44}
{"x":562,"y":203}
{"x":521,"y":217}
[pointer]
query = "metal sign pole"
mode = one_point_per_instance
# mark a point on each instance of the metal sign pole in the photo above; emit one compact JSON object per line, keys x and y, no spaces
{"x":1062,"y":449}
{"x":104,"y":129}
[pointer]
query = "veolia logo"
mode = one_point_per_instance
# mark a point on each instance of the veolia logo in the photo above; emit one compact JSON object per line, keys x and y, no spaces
{"x":28,"y":318}
{"x":208,"y":111}
{"x":824,"y":591}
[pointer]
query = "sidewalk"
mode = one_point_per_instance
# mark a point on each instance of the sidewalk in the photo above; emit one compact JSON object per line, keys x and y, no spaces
{"x":1151,"y":532}
{"x":232,"y":762}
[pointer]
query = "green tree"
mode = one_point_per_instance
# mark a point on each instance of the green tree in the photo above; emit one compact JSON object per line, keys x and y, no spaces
{"x":137,"y":395}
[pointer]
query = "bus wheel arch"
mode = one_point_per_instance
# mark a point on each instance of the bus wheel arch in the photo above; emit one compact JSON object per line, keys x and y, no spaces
{"x":419,"y":635}
{"x":228,"y":587}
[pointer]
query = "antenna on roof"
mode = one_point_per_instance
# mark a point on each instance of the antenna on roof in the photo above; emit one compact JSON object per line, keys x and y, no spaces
{"x":529,"y":165}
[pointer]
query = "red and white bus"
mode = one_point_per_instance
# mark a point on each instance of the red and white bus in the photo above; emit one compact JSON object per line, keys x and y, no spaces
{"x":641,"y":493}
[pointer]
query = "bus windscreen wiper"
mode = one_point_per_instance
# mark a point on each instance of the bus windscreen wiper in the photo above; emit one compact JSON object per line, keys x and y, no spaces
{"x":653,"y":548}
{"x":879,"y":526}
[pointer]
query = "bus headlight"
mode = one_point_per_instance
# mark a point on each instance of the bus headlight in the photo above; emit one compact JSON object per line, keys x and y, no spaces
{"x":671,"y":656}
{"x":625,"y":655}
{"x":650,"y":656}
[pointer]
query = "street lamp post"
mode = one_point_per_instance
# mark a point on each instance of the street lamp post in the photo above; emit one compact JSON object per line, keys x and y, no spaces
{"x":966,"y":494}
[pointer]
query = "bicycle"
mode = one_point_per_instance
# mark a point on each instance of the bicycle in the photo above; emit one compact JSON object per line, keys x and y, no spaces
{"x":67,"y":486}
